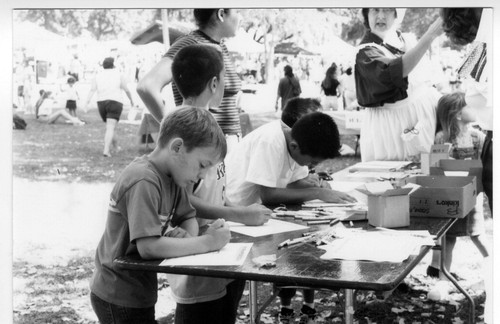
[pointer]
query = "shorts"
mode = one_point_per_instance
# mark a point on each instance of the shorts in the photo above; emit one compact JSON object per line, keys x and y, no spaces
{"x":20,"y":91}
{"x":110,"y":109}
{"x":71,"y":104}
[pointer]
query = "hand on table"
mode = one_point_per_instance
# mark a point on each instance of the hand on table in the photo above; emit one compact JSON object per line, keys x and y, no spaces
{"x":218,"y":234}
{"x":178,"y":233}
{"x":255,"y":215}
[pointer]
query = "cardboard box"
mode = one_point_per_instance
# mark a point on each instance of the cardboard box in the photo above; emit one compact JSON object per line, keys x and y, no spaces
{"x":387,"y":207}
{"x":430,"y":159}
{"x":442,"y":196}
{"x":469,"y":168}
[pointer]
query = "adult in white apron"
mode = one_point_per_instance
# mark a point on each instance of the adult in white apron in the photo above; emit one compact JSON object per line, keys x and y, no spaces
{"x":400,"y":119}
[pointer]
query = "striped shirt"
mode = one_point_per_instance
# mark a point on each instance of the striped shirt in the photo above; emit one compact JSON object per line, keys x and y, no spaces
{"x":226,"y":114}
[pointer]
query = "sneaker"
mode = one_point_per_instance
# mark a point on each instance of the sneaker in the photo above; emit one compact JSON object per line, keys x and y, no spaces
{"x":286,"y":316}
{"x":307,"y":315}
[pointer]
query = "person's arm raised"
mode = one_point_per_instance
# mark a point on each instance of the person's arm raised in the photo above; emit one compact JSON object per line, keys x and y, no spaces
{"x":150,"y":86}
{"x":414,"y":55}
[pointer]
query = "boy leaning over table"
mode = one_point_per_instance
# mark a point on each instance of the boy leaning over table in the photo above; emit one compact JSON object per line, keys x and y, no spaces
{"x":198,"y":72}
{"x":270,"y":165}
{"x":150,"y":214}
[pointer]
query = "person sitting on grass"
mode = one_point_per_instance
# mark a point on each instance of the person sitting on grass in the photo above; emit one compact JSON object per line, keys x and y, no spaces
{"x":198,"y":72}
{"x":150,"y":214}
{"x":53,"y":117}
{"x":270,"y":166}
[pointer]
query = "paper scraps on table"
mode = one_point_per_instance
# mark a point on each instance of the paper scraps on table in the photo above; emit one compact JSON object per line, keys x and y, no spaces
{"x":233,"y":254}
{"x":265,"y":261}
{"x":273,"y":226}
{"x":377,"y":245}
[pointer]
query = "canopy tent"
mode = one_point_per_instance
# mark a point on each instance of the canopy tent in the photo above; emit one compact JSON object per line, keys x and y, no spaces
{"x":154,"y":33}
{"x":44,"y":44}
{"x":242,"y":42}
{"x":337,"y":50}
{"x":290,"y":48}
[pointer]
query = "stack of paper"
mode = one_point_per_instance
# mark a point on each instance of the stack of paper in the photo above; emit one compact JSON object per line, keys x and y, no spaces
{"x":233,"y":254}
{"x":377,"y":245}
{"x":379,"y":166}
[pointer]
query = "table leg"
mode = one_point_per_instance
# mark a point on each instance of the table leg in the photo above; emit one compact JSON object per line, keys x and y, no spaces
{"x":349,"y":306}
{"x":252,"y":303}
{"x":472,"y":315}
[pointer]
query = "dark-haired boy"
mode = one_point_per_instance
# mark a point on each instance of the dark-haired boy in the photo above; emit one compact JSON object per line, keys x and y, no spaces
{"x":198,"y":72}
{"x":270,"y":165}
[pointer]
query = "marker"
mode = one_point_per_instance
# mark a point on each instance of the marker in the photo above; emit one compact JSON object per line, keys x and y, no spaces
{"x":318,"y":222}
{"x":283,"y":244}
{"x":297,"y":240}
{"x":334,"y":221}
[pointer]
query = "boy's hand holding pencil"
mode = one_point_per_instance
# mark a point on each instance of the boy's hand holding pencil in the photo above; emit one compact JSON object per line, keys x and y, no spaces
{"x":218,"y":234}
{"x":256,"y":215}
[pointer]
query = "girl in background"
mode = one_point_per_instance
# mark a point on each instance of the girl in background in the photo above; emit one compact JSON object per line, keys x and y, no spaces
{"x":330,"y":87}
{"x":454,"y":126}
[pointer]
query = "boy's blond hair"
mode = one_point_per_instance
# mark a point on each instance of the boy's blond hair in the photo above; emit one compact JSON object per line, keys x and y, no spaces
{"x":197,"y":128}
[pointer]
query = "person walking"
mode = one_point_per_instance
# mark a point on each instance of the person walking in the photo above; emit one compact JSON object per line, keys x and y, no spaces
{"x":109,"y":84}
{"x":289,"y":87}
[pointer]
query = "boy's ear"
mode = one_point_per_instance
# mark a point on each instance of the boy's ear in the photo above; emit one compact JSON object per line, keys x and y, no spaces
{"x":213,"y":84}
{"x":220,"y":15}
{"x":294,"y":146}
{"x":176,"y":144}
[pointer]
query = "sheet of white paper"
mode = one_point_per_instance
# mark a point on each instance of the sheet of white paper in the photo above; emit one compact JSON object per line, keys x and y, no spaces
{"x":273,"y":226}
{"x":345,"y":186}
{"x":375,"y":246}
{"x":233,"y":254}
{"x":381,"y":165}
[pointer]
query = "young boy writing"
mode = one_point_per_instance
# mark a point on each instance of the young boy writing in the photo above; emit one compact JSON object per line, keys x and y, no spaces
{"x":149,"y":213}
{"x":198,"y":72}
{"x":270,"y":165}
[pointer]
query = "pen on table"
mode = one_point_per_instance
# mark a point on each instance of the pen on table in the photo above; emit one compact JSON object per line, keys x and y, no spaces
{"x":334,"y":221}
{"x":293,"y":241}
{"x":283,"y":244}
{"x":318,"y":222}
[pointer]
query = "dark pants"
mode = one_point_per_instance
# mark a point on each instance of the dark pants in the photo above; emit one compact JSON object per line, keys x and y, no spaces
{"x":113,"y":314}
{"x":487,"y":159}
{"x":220,"y":311}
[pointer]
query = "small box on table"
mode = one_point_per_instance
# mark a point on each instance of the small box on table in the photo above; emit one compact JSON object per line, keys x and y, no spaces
{"x":387,"y":207}
{"x":430,"y":159}
{"x":442,"y":196}
{"x":450,"y":167}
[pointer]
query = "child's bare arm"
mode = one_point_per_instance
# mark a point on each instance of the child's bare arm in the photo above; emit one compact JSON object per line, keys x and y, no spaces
{"x":159,"y":247}
{"x":251,"y":215}
{"x":274,"y":196}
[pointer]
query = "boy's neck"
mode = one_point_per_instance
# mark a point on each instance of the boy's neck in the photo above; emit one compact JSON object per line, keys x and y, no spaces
{"x":199,"y":102}
{"x":159,"y":158}
{"x":287,"y":132}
